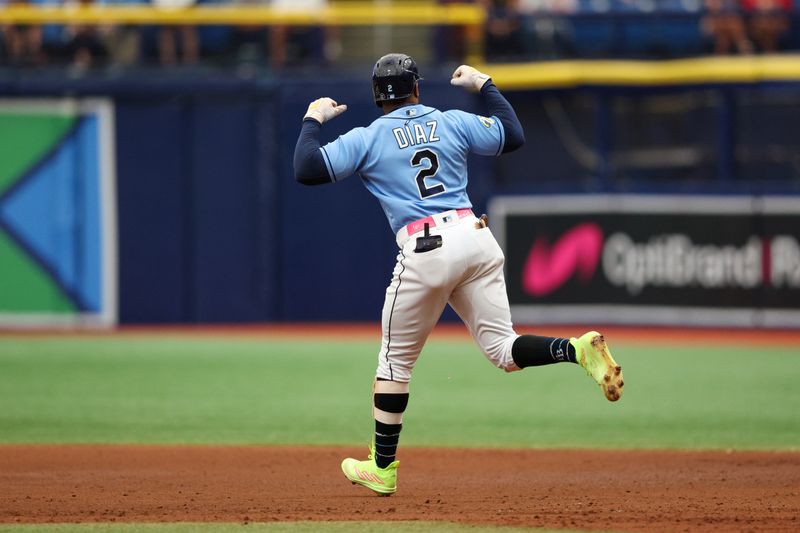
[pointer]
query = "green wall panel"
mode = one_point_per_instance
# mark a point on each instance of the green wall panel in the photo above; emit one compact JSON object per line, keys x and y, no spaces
{"x":26,"y":138}
{"x":24,"y":286}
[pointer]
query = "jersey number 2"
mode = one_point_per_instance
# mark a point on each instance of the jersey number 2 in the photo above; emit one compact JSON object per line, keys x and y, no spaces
{"x":428,"y":172}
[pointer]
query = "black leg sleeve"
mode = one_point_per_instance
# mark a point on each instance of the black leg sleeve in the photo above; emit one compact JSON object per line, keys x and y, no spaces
{"x":532,"y":350}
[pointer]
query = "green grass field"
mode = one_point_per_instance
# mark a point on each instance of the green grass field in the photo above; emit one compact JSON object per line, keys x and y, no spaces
{"x":155,"y":389}
{"x":181,"y":389}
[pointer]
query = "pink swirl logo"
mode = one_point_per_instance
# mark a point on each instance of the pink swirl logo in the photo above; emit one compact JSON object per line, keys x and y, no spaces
{"x":578,"y":250}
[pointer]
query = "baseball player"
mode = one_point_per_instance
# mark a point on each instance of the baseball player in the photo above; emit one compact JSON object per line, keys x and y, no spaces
{"x":414,"y":160}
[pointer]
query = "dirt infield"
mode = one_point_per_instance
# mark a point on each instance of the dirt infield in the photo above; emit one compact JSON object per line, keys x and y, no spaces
{"x":607,"y":490}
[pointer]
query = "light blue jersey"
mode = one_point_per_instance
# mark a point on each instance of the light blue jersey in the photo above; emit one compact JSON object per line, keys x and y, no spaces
{"x":414,"y":160}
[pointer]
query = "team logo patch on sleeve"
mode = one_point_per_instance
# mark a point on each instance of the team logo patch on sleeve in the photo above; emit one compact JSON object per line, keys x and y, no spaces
{"x":486,"y":121}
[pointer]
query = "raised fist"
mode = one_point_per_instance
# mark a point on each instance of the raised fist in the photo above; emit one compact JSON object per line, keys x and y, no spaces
{"x":467,"y":76}
{"x":324,"y":109}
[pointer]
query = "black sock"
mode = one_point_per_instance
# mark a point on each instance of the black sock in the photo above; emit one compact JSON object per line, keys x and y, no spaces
{"x":532,"y":350}
{"x":386,"y":438}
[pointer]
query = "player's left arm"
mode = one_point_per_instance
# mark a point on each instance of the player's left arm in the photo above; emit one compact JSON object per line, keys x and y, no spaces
{"x":309,"y":163}
{"x":498,"y":106}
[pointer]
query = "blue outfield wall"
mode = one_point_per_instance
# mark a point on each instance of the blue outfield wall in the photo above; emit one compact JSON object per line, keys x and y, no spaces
{"x":213,"y":227}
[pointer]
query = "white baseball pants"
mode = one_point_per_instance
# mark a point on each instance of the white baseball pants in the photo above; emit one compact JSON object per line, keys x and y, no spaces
{"x":466,"y":272}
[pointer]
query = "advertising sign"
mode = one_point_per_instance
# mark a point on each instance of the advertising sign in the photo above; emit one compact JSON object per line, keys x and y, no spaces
{"x":691,"y":260}
{"x":57,"y":213}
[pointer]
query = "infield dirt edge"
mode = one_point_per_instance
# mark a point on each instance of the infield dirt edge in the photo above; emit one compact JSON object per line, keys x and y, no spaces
{"x":618,"y":490}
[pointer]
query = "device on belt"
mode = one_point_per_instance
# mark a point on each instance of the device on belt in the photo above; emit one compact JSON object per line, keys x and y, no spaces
{"x":428,"y":242}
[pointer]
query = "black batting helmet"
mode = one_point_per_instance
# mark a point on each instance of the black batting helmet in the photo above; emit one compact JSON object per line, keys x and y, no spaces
{"x":393,"y":78}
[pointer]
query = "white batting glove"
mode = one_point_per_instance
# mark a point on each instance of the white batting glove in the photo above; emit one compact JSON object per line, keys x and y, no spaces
{"x":469,"y":77}
{"x":324,"y":109}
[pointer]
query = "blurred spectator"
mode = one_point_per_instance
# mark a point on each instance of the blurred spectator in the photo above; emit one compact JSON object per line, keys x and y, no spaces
{"x":768,"y":21}
{"x":724,"y":23}
{"x":286,"y":45}
{"x":250,"y":44}
{"x":302,"y":44}
{"x":505,"y":40}
{"x":23,"y":42}
{"x":123,"y":42}
{"x":548,"y":27}
{"x":85,"y":47}
{"x":451,"y":41}
{"x":177,"y":40}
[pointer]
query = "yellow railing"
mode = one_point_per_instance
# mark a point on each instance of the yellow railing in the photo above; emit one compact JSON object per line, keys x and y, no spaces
{"x":348,"y":14}
{"x":508,"y":76}
{"x":470,"y":16}
{"x":705,"y":70}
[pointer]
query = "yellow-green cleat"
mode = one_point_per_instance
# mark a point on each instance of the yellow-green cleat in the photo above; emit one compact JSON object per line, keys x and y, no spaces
{"x":383,"y":481}
{"x":594,"y":356}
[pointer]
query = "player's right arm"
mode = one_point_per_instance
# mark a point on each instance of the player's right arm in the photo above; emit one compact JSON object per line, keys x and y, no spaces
{"x":309,"y":163}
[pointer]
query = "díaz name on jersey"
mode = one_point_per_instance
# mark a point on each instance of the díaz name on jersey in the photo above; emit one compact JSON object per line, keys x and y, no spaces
{"x":414,"y":134}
